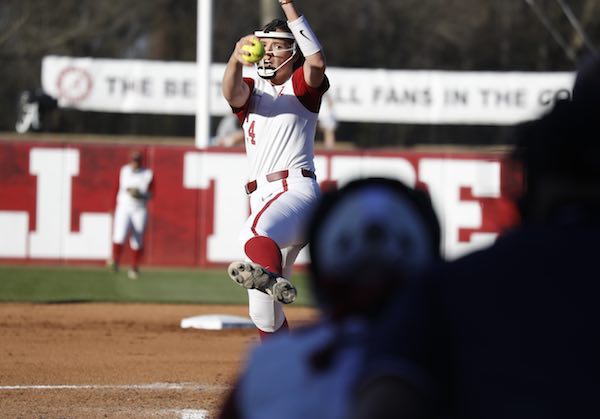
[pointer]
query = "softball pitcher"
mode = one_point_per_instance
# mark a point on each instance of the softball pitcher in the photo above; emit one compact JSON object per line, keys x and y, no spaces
{"x":278,"y":111}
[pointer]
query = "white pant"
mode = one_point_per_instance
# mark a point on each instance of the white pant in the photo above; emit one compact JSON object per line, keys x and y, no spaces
{"x":130,"y":219}
{"x":280,"y":210}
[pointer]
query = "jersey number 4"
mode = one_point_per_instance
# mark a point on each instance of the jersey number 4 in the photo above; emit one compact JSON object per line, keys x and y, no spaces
{"x":251,"y":133}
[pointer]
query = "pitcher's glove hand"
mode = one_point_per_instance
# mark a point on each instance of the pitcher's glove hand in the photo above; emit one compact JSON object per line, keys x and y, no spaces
{"x":135,"y":192}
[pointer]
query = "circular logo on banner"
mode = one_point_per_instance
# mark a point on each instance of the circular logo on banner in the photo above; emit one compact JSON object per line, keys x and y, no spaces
{"x":74,"y":84}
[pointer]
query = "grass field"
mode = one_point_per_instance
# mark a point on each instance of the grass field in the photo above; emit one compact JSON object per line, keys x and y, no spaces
{"x":95,"y":284}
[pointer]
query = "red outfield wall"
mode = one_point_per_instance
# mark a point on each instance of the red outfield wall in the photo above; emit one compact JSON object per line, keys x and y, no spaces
{"x":56,"y":199}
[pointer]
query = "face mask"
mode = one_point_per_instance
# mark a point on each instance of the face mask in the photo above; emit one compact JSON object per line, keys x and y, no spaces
{"x":269,"y":73}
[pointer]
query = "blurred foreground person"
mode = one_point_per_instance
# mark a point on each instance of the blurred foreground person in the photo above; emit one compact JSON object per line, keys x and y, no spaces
{"x":510,"y":331}
{"x":368,"y":240}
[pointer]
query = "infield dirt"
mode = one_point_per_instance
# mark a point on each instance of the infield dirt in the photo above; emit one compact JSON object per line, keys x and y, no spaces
{"x":97,"y":360}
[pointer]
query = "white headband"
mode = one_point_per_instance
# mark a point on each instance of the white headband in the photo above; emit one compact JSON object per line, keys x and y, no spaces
{"x":274,"y":34}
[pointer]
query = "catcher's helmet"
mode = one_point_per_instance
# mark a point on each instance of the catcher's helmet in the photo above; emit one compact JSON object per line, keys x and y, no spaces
{"x":366,"y":241}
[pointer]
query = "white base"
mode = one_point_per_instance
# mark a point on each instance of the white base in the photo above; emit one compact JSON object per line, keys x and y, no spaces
{"x":216,"y":322}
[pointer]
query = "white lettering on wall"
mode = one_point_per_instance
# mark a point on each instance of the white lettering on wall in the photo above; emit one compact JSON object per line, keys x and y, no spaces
{"x":13,"y":234}
{"x":231,"y":203}
{"x":52,"y":239}
{"x":445,"y":178}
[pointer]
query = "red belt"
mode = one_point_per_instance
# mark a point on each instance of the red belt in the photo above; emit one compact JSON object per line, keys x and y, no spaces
{"x":272,"y":177}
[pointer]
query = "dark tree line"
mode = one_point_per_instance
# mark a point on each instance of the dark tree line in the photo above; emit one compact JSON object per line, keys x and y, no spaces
{"x":527,"y":35}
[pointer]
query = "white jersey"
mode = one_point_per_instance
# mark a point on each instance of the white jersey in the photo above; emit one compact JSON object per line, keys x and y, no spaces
{"x":279,"y":124}
{"x":141,"y":179}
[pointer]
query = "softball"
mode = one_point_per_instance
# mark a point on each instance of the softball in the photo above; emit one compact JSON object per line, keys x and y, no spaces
{"x":256,"y":50}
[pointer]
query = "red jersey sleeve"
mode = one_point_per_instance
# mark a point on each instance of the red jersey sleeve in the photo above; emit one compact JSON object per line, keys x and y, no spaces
{"x":243,"y":111}
{"x":308,"y":96}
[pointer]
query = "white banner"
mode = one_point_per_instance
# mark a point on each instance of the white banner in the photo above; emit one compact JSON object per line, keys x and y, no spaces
{"x":445,"y":97}
{"x":359,"y":95}
{"x":128,"y":86}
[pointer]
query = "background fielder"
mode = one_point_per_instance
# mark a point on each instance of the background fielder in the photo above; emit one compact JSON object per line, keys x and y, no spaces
{"x":278,"y":111}
{"x":135,"y":188}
